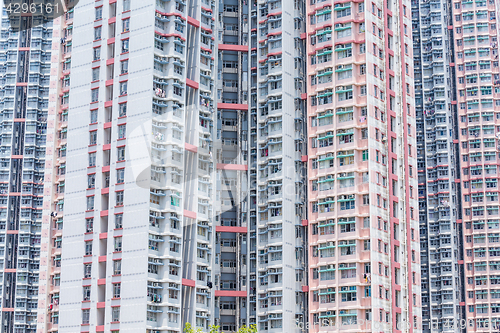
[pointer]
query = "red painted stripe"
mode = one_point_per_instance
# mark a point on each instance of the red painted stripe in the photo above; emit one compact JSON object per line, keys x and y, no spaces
{"x":229,"y":47}
{"x":188,"y":283}
{"x":232,"y":106}
{"x":190,"y":214}
{"x":238,"y":167}
{"x":223,"y":228}
{"x":192,"y":84}
{"x":193,"y":22}
{"x":230,"y":293}
{"x":190,"y":147}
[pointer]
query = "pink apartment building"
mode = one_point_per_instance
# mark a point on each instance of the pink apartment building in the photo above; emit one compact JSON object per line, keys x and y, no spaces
{"x":364,"y":253}
{"x":478,"y":92}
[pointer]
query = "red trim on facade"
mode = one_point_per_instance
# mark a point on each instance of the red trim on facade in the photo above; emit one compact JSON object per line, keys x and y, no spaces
{"x":189,"y":214}
{"x":223,"y":228}
{"x":238,"y":167}
{"x":232,"y":106}
{"x":193,"y":22}
{"x":188,"y":283}
{"x":229,"y":47}
{"x":190,"y":147}
{"x":230,"y":293}
{"x":192,"y":84}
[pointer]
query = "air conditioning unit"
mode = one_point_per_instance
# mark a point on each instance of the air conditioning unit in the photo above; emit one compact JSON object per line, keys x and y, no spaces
{"x":384,"y":139}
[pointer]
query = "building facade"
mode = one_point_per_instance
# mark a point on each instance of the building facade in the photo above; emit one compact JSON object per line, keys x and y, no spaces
{"x":260,"y":169}
{"x":28,"y":46}
{"x":438,"y":166}
{"x":477,"y":80}
{"x":186,"y":182}
{"x":136,"y":252}
{"x":123,"y":235}
{"x":363,"y":224}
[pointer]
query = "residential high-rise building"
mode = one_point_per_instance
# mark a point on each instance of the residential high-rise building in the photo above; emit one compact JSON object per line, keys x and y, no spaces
{"x":477,"y":104}
{"x":278,"y":262}
{"x":28,"y":46}
{"x":261,"y":115}
{"x":182,"y":181}
{"x":137,"y":237}
{"x":55,"y":171}
{"x":364,"y":270}
{"x":441,"y":245}
{"x":159,"y":211}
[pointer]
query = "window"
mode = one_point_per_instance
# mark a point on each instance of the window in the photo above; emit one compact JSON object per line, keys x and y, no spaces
{"x":121,"y":153}
{"x":87,"y":270}
{"x":88,"y":248}
{"x":92,"y":159}
{"x":89,"y":225}
{"x":97,"y":53}
{"x":362,"y":69}
{"x":98,"y":13}
{"x":117,"y":290}
{"x":117,"y":267}
{"x":120,"y":176}
{"x":119,"y":198}
{"x":126,"y":5}
{"x":126,"y":25}
{"x":123,"y":88}
{"x":124,"y":67}
{"x":93,"y":138}
{"x":118,"y":244}
{"x":366,"y":199}
{"x":115,"y":314}
{"x":90,"y":203}
{"x":91,"y":181}
{"x":122,"y":131}
{"x":95,"y":73}
{"x":97,"y":33}
{"x":86,"y":293}
{"x":362,"y":90}
{"x":125,"y":46}
{"x":95,"y":95}
{"x":86,"y":316}
{"x":122,"y":110}
{"x":93,"y":116}
{"x":118,"y":221}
